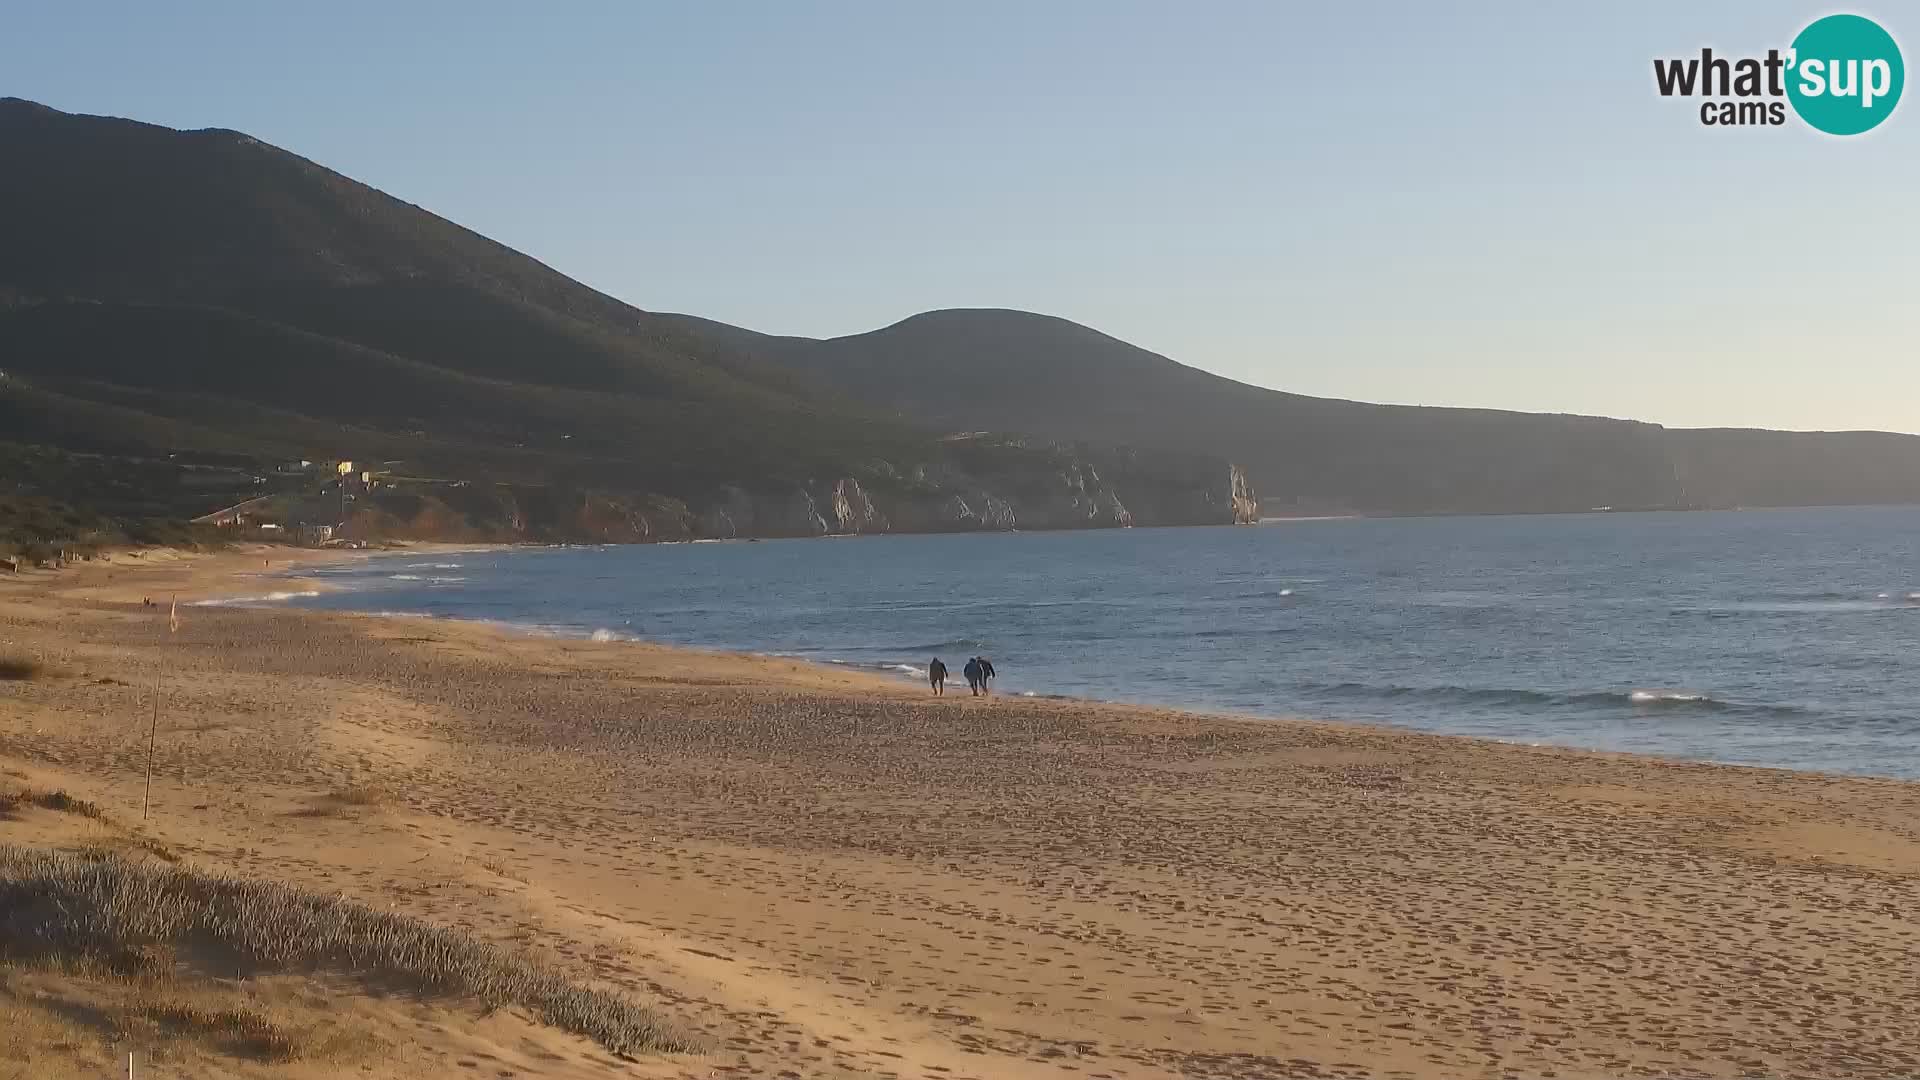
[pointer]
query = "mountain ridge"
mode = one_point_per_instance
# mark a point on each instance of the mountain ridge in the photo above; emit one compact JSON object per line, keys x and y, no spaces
{"x":1316,"y":454}
{"x":205,"y":291}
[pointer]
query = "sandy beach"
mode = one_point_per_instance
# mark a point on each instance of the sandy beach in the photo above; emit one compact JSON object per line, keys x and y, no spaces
{"x":823,"y":873}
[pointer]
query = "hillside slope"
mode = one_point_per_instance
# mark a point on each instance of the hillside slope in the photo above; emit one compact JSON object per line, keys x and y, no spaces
{"x":1016,"y":371}
{"x":165,"y":291}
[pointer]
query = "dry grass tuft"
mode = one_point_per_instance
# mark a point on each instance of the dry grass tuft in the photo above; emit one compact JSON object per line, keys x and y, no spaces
{"x":360,"y":795}
{"x":112,"y":846}
{"x":500,"y":869}
{"x":341,"y":801}
{"x":130,"y":917}
{"x":159,"y":849}
{"x":52,"y":800}
{"x":236,"y":1028}
{"x":54,"y":1025}
{"x":17,"y":667}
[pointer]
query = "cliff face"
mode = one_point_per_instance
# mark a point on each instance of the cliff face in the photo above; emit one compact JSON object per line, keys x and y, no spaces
{"x":1076,"y":493}
{"x":1246,"y":505}
{"x":1058,"y":380}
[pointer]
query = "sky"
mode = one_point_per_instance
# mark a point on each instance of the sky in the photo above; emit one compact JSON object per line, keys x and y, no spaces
{"x":1487,"y":206}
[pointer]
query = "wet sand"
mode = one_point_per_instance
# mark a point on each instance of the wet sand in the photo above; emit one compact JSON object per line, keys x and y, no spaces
{"x":825,"y":873}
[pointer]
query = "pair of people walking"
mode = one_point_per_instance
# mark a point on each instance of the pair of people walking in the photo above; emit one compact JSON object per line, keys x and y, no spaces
{"x":979,"y":672}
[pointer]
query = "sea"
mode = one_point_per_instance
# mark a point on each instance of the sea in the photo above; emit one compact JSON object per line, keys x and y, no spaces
{"x":1785,"y":638}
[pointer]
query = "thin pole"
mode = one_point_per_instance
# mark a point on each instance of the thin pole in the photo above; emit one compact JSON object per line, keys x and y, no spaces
{"x":152,"y":730}
{"x":173,"y":627}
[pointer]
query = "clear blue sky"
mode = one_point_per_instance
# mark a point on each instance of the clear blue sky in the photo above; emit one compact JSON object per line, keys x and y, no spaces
{"x":1387,"y":201}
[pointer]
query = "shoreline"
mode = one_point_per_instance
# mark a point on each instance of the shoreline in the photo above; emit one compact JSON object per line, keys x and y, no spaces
{"x":829,"y":872}
{"x":907,"y":674}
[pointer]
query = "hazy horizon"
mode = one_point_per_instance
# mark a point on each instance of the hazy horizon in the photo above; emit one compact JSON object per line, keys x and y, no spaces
{"x":1489,"y":208}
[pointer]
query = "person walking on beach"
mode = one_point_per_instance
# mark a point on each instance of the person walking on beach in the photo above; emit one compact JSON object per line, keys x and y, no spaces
{"x":937,"y":676}
{"x":986,"y":675}
{"x":972,"y":672}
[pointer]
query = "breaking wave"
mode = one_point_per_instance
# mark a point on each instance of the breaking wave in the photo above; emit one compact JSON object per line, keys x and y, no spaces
{"x":956,"y":645}
{"x":1671,"y":697}
{"x":239,"y":601}
{"x":1643,"y":699}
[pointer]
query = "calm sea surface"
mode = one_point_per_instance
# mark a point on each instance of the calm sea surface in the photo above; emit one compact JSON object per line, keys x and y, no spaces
{"x":1786,"y":638}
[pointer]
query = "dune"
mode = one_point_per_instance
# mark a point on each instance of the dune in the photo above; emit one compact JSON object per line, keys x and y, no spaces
{"x":810,"y":871}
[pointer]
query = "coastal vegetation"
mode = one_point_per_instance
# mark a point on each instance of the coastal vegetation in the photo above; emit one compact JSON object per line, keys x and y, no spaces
{"x":104,"y":915}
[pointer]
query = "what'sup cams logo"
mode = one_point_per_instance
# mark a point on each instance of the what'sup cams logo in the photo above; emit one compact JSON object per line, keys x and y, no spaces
{"x":1842,"y":75}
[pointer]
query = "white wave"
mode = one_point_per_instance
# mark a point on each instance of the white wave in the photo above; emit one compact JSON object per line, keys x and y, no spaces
{"x":403,"y":577}
{"x":237,"y":601}
{"x":603,"y":634}
{"x":904,"y":669}
{"x":1655,"y":697}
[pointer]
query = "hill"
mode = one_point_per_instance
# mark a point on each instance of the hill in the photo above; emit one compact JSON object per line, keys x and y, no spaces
{"x":1004,"y":370}
{"x":167,"y":293}
{"x":201,"y":292}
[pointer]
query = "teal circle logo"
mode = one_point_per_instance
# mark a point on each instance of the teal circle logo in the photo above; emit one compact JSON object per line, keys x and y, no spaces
{"x":1845,"y":75}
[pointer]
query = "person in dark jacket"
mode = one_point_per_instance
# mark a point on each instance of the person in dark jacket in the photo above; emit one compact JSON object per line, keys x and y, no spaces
{"x":972,"y":672}
{"x":986,"y":675}
{"x":937,"y":676}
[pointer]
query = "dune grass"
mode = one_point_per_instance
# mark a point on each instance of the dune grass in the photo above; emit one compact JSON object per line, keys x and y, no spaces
{"x":54,"y":1026}
{"x":104,"y":911}
{"x":342,"y":802}
{"x":111,"y":845}
{"x":52,"y":800}
{"x":239,"y":1027}
{"x":360,"y":795}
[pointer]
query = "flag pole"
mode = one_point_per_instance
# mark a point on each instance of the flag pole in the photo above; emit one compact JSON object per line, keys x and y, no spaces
{"x":153,"y":728}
